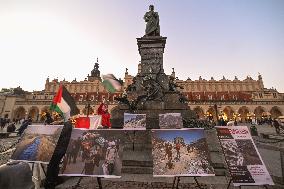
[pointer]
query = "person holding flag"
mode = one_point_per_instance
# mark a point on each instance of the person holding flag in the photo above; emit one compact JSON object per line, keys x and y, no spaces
{"x":65,"y":105}
{"x":112,"y":85}
{"x":103,"y":111}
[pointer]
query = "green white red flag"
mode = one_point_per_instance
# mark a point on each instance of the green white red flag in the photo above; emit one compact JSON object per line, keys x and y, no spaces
{"x":64,"y":104}
{"x":111,"y":83}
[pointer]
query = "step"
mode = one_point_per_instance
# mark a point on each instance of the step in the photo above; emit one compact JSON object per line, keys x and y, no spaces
{"x":137,"y":163}
{"x":136,"y":170}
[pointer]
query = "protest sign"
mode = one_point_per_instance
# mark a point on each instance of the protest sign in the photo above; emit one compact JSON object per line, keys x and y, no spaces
{"x":244,"y":161}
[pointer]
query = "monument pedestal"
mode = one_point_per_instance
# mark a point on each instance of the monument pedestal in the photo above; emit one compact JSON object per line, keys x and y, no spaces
{"x":151,"y":93}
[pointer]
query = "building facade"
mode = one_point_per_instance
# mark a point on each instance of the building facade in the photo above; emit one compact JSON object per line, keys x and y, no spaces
{"x":231,"y":99}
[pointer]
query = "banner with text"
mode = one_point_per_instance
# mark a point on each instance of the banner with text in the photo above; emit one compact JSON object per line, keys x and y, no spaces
{"x":243,"y":159}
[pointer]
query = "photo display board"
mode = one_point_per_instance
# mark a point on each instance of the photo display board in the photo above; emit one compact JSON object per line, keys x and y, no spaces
{"x":95,"y":153}
{"x":134,"y":121}
{"x":37,"y":143}
{"x":180,"y":152}
{"x":243,"y":159}
{"x":170,"y":121}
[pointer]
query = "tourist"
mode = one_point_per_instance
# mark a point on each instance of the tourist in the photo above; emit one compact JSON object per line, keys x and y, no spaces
{"x":2,"y":123}
{"x":48,"y":119}
{"x":276,"y":125}
{"x":24,"y":125}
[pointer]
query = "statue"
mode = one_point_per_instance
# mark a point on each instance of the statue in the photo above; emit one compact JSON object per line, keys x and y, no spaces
{"x":172,"y":85}
{"x":152,"y":19}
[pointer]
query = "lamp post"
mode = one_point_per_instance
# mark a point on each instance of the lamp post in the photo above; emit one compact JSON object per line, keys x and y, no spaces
{"x":216,"y":112}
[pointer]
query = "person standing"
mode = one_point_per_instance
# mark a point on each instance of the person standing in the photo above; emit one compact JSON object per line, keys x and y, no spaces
{"x":178,"y":150}
{"x":276,"y":126}
{"x":103,"y":111}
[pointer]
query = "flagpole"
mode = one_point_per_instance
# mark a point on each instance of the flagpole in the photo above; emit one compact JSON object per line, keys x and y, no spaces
{"x":88,"y":105}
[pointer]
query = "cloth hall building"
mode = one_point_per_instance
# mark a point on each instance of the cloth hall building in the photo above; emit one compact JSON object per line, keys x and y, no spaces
{"x":234,"y":99}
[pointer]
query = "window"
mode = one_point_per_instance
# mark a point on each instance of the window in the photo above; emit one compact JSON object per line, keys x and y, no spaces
{"x":198,"y":97}
{"x":210,"y":97}
{"x":274,"y":95}
{"x":260,"y":95}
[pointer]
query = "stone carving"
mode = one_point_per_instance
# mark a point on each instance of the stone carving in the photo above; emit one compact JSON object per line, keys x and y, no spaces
{"x":154,"y":90}
{"x":172,"y":85}
{"x":152,"y":19}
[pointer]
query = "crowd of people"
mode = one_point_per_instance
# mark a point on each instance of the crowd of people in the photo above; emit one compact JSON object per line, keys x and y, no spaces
{"x":95,"y":154}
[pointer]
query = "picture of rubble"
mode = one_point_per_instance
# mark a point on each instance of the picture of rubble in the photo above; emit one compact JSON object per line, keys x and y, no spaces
{"x":233,"y":155}
{"x":37,"y":143}
{"x":134,"y":121}
{"x":240,"y":153}
{"x":180,"y":152}
{"x":248,"y":151}
{"x":94,"y":153}
{"x":170,"y":121}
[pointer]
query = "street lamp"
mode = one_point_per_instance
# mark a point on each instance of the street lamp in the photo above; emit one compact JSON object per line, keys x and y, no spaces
{"x":216,"y":112}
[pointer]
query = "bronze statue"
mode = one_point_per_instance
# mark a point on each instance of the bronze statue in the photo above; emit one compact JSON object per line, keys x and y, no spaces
{"x":152,"y":19}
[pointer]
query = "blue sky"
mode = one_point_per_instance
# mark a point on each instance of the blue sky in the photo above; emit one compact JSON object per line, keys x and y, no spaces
{"x":188,"y":135}
{"x":41,"y":38}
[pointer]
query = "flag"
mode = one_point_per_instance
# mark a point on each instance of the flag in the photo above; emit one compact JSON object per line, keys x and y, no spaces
{"x":64,"y":104}
{"x":91,"y":122}
{"x":111,"y":83}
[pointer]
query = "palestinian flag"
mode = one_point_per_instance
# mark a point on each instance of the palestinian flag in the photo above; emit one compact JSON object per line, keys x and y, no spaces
{"x":64,"y":104}
{"x":90,"y":122}
{"x":111,"y":83}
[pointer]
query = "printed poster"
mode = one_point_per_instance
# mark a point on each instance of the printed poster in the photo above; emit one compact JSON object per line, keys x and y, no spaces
{"x":95,"y":153}
{"x":134,"y":121}
{"x":170,"y":121}
{"x":243,"y":159}
{"x":180,"y":152}
{"x":37,"y":143}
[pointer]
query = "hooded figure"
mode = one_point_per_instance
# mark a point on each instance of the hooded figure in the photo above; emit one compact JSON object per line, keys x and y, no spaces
{"x":103,"y":111}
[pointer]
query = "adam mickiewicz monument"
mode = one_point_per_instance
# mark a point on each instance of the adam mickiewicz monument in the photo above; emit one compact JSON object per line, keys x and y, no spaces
{"x":152,"y":91}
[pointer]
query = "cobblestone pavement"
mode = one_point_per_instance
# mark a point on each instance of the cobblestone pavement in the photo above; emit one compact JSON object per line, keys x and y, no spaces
{"x":91,"y":183}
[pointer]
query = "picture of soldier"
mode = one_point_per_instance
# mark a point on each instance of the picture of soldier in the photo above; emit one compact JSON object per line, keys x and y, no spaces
{"x":94,"y":153}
